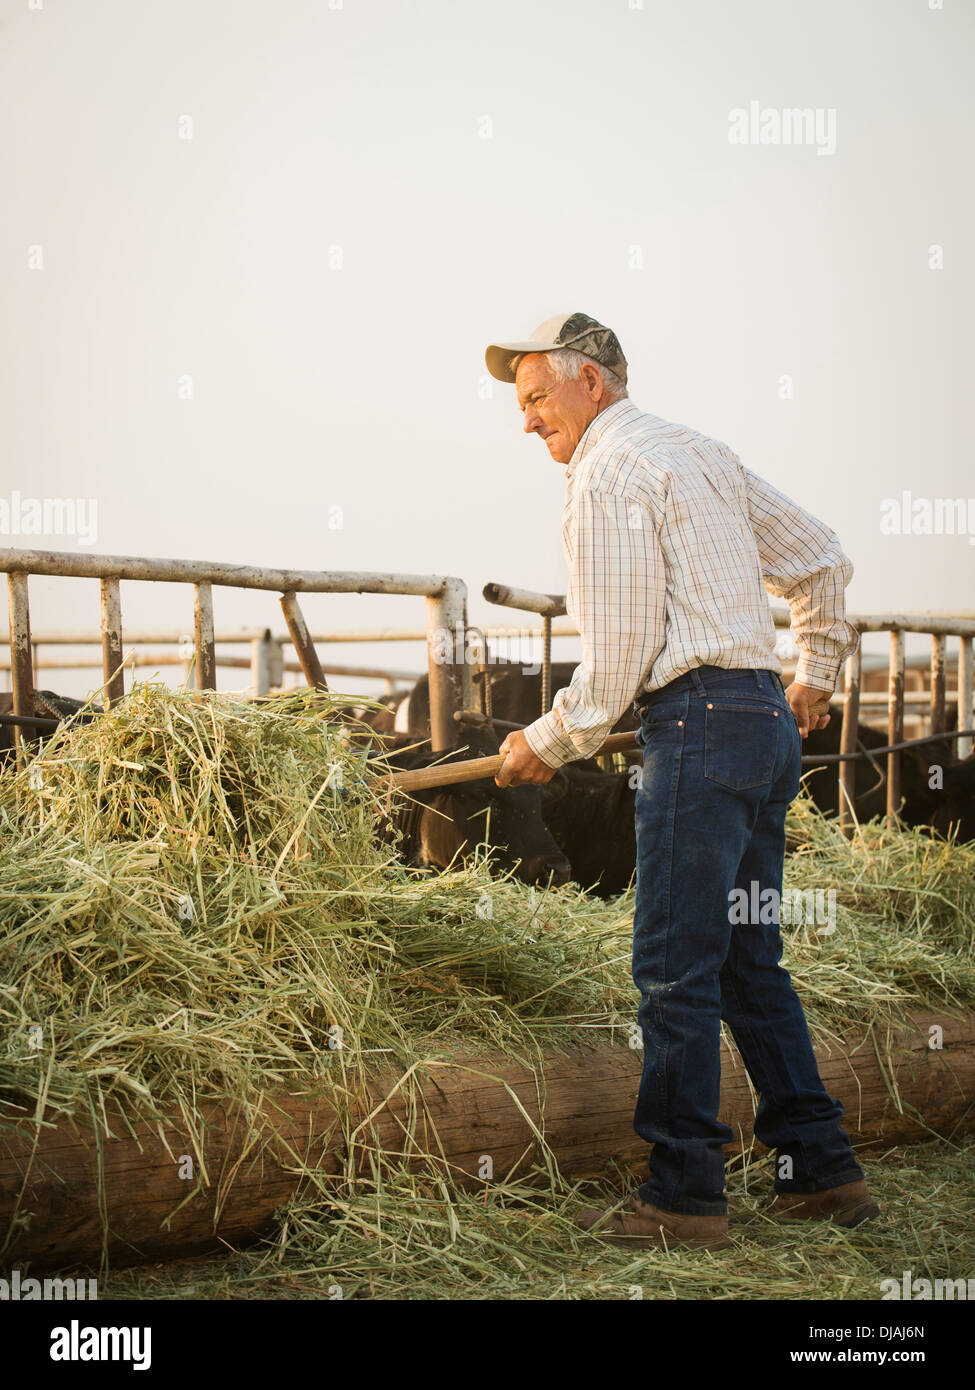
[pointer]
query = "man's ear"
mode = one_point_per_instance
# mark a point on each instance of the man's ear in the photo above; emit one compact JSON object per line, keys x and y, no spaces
{"x":593,"y":379}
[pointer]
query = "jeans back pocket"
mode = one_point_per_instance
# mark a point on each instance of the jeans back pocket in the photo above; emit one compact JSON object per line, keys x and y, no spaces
{"x":740,"y":743}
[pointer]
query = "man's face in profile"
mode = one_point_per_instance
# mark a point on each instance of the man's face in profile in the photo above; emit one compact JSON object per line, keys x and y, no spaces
{"x":558,"y":411}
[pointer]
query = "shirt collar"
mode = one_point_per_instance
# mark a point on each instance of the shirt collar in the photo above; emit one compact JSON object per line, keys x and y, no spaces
{"x":606,"y":419}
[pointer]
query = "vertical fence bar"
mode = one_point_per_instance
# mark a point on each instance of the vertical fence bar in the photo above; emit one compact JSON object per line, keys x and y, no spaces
{"x":277,"y":663}
{"x":848,"y":737}
{"x":450,"y":680}
{"x":21,"y":662}
{"x":966,"y":672}
{"x":206,"y":657}
{"x":262,"y":662}
{"x":301,"y":639}
{"x":895,"y":721}
{"x":113,"y":672}
{"x":936,"y":723}
{"x":546,"y":665}
{"x":481,"y":675}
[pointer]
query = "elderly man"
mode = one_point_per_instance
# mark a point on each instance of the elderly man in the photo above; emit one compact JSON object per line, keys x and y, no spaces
{"x":671,"y":545}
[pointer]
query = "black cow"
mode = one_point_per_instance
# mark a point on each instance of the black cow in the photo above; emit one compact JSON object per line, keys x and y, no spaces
{"x":590,"y":815}
{"x":381,"y":721}
{"x":443,"y":826}
{"x":937,"y":788}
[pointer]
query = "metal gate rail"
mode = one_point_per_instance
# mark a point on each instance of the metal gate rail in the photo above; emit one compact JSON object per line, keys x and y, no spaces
{"x":446,"y":614}
{"x":938,"y":627}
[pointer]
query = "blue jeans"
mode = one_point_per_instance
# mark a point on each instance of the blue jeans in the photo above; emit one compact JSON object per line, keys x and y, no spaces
{"x":721,"y":761}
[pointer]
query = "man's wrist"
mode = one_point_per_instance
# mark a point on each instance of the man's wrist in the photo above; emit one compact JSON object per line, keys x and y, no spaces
{"x":547,"y":740}
{"x":816,"y":674}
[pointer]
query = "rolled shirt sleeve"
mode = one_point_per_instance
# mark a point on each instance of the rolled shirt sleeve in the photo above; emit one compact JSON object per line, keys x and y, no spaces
{"x":803,"y":563}
{"x":616,"y":596}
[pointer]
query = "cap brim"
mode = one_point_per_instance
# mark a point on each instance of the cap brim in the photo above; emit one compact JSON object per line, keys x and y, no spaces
{"x":498,"y":355}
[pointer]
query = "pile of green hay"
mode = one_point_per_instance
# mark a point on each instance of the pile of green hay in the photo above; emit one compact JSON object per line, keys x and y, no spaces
{"x":194,"y":906}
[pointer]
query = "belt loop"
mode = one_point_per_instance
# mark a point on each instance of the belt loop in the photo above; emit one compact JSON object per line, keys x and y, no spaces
{"x":696,"y":681}
{"x":758,"y":677}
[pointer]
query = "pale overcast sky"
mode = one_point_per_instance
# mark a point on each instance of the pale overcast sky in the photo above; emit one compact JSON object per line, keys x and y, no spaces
{"x":252,"y":251}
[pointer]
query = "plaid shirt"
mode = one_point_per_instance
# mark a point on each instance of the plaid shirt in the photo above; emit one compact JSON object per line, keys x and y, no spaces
{"x":671,"y":546}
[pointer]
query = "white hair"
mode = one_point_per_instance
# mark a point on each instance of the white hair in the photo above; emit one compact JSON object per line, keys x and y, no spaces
{"x":567,"y":364}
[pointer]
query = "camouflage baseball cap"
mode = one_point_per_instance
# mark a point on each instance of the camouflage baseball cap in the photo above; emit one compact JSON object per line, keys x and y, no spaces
{"x":576,"y":331}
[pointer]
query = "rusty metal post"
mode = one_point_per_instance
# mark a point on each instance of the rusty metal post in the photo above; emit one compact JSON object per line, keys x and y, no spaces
{"x":966,"y":673}
{"x":936,"y":721}
{"x":113,"y":671}
{"x":895,"y":722}
{"x":848,"y":737}
{"x":481,"y":676}
{"x":450,"y":678}
{"x":303,"y":645}
{"x":546,"y":664}
{"x":276,"y":671}
{"x":206,"y":656}
{"x":21,"y":663}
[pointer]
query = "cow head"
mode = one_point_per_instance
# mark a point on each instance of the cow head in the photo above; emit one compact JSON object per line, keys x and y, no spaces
{"x":509,"y":820}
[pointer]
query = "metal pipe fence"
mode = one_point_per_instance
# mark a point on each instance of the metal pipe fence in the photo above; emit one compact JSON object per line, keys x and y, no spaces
{"x":446,"y":634}
{"x":446,"y":614}
{"x":938,"y":626}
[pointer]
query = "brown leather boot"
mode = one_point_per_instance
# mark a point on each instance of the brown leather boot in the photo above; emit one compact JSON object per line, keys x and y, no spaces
{"x":638,"y":1224}
{"x":844,"y":1206}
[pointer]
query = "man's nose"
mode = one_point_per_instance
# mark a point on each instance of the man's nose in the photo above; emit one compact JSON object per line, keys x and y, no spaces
{"x":532,"y":421}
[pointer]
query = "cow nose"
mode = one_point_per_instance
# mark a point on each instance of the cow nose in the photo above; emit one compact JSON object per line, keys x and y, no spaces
{"x":556,"y":870}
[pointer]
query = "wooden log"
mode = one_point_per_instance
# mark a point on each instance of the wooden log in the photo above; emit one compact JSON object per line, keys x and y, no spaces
{"x":582,"y":1102}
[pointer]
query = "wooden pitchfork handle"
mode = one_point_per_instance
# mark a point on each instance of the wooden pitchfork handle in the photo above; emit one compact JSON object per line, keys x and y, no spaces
{"x":445,"y":774}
